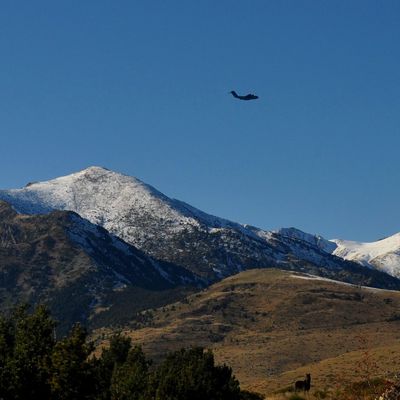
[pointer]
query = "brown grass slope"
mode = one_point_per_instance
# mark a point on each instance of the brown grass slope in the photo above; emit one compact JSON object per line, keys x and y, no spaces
{"x":273,"y":326}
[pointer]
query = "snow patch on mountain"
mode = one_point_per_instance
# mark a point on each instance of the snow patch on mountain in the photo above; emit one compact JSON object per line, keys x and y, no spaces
{"x":115,"y":201}
{"x":383,"y":254}
{"x":174,"y":231}
{"x":315,"y":240}
{"x":320,"y":278}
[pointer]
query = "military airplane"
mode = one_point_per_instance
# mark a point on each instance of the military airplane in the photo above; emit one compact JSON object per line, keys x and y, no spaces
{"x":247,"y":97}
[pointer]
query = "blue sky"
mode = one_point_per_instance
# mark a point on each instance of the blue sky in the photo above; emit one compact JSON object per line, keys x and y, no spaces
{"x":142,"y":88}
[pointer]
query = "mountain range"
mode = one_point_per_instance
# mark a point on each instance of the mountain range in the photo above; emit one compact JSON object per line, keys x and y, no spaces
{"x":114,"y":228}
{"x":382,"y":255}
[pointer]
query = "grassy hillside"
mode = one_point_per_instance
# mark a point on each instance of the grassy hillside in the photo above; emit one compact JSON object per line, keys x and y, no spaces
{"x":274,"y":326}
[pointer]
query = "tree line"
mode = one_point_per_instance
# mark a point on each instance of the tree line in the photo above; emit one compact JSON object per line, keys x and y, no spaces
{"x":35,"y":365}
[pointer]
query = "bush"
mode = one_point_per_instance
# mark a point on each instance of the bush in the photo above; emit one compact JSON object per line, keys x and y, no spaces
{"x":246,"y":395}
{"x":192,"y":374}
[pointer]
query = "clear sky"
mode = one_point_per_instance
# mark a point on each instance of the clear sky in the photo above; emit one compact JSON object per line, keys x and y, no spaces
{"x":141,"y":87}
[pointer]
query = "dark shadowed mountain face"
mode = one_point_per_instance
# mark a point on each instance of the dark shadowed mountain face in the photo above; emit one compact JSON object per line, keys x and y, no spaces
{"x":78,"y":268}
{"x":176,"y":232}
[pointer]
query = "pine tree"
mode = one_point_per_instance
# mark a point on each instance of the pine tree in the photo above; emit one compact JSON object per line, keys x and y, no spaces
{"x":130,"y":379}
{"x":29,"y":341}
{"x":6,"y":352}
{"x":192,"y":374}
{"x":72,"y":374}
{"x":110,"y":359}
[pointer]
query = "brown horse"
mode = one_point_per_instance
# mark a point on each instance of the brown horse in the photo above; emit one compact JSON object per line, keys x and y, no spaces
{"x":303,"y":385}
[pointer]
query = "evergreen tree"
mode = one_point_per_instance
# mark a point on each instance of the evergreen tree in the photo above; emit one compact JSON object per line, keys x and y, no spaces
{"x":28,"y":341}
{"x":6,"y":352}
{"x":72,"y":373}
{"x":109,"y":360}
{"x":192,"y":374}
{"x":130,"y":379}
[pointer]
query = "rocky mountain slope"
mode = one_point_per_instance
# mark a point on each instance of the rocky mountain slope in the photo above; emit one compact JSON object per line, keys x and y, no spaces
{"x":274,"y":326}
{"x":382,"y":255}
{"x":176,"y":232}
{"x":78,"y":268}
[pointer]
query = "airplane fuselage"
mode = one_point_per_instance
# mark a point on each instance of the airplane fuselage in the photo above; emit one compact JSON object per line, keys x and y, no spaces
{"x":247,"y":97}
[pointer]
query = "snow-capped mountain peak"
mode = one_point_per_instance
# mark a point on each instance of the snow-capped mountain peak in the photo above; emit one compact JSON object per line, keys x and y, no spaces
{"x":71,"y":191}
{"x":174,"y":231}
{"x":383,"y":254}
{"x":118,"y":202}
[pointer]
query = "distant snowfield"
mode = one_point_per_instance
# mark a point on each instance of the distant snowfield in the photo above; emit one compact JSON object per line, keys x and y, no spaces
{"x":383,"y":254}
{"x":319,"y":278}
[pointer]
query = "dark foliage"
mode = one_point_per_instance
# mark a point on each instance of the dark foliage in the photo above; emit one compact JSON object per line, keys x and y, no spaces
{"x":34,"y":365}
{"x":191,"y":374}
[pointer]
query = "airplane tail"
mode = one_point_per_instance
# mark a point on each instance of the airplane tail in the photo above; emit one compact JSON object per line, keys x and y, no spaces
{"x":234,"y":94}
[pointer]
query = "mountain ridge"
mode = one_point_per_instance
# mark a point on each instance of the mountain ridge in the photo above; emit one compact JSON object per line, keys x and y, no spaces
{"x":382,"y":254}
{"x":79,"y":269}
{"x":176,"y":232}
